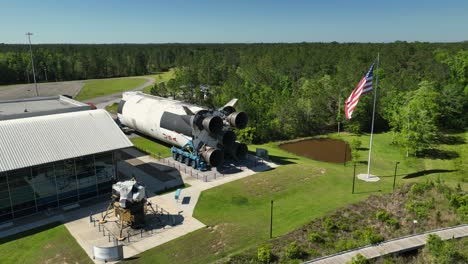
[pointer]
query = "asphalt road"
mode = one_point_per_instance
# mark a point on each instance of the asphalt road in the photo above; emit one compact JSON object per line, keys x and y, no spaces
{"x":10,"y":92}
{"x":71,"y":88}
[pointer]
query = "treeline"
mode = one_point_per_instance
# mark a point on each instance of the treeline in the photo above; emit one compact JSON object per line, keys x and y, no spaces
{"x":288,"y":90}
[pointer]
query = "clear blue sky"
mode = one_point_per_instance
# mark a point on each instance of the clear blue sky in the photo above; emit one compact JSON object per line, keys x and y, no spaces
{"x":125,"y":21}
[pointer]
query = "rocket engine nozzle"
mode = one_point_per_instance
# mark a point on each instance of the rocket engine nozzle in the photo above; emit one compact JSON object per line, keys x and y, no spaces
{"x":240,"y":150}
{"x":213,"y":156}
{"x":227,"y":138}
{"x":237,"y":119}
{"x":213,"y":124}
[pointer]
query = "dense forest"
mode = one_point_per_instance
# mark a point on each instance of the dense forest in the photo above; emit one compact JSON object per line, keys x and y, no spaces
{"x":288,"y":90}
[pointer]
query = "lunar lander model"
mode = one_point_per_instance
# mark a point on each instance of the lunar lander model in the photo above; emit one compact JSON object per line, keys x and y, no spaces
{"x":129,"y":206}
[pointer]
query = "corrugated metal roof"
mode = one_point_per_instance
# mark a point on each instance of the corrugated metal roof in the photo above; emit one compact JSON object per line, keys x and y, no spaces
{"x":43,"y":139}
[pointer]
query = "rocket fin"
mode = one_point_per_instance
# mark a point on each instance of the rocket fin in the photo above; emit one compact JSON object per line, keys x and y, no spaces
{"x":188,"y":111}
{"x":232,"y":103}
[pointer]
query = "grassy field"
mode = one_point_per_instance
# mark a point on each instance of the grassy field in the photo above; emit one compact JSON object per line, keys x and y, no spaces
{"x":237,"y":214}
{"x":96,"y":88}
{"x":160,"y":77}
{"x":112,"y":108}
{"x":151,"y":147}
{"x":49,"y":244}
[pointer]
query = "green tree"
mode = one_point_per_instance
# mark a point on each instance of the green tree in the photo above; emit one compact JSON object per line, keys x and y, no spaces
{"x":421,"y":115}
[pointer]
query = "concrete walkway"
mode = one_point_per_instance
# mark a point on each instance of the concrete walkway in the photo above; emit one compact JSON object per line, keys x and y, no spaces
{"x":393,"y":246}
{"x":87,"y":235}
{"x":103,"y":101}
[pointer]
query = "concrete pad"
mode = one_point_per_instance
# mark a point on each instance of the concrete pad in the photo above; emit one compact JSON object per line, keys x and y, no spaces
{"x":368,"y":178}
{"x":87,"y":234}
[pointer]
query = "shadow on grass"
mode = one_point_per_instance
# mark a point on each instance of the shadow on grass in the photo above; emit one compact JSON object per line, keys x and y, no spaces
{"x":438,"y":154}
{"x":425,"y":172}
{"x":282,"y":160}
{"x":374,"y":191}
{"x":29,"y":232}
{"x":451,"y":140}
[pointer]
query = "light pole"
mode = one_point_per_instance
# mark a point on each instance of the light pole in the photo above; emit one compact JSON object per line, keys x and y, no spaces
{"x":394,"y":176}
{"x":271,"y":219}
{"x":29,"y":34}
{"x":354,"y":176}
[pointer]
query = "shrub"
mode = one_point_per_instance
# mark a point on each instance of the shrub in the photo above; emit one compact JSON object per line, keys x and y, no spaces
{"x":372,"y":237}
{"x":329,"y":225}
{"x":420,"y":209}
{"x":316,"y":237}
{"x":345,"y":244}
{"x":382,"y":215}
{"x":264,"y":254}
{"x":368,"y":236}
{"x":393,"y":222}
{"x":294,"y":251}
{"x":421,"y":187}
{"x":359,"y":259}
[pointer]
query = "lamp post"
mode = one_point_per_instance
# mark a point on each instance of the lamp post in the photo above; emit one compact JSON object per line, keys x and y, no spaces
{"x":394,"y":176}
{"x":354,"y":176}
{"x":29,"y":34}
{"x":271,"y":219}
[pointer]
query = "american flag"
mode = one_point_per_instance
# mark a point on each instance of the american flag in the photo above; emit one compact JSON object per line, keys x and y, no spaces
{"x":364,"y":86}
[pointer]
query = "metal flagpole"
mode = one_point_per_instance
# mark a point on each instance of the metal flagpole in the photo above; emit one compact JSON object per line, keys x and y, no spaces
{"x":373,"y":116}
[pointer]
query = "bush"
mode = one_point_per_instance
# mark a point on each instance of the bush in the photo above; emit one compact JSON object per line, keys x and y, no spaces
{"x":382,"y":215}
{"x":316,"y":237}
{"x":372,"y":237}
{"x":294,"y":251}
{"x":264,"y":254}
{"x":421,"y":187}
{"x":420,"y":209}
{"x":329,"y":225}
{"x":345,"y":244}
{"x":359,"y":259}
{"x":368,"y":236}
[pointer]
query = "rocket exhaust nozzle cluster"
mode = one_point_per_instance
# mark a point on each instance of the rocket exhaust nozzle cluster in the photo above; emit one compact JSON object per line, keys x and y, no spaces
{"x":209,"y":132}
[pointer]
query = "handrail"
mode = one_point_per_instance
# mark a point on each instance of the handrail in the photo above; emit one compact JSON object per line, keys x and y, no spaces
{"x":390,"y":240}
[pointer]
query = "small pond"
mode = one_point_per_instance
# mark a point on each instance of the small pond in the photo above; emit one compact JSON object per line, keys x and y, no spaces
{"x":322,"y":149}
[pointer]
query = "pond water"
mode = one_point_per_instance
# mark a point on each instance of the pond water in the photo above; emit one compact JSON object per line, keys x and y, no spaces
{"x":322,"y":149}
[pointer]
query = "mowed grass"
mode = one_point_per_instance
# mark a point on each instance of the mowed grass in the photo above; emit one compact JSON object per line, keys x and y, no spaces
{"x":160,"y":77}
{"x":112,"y":108}
{"x":238,"y":213}
{"x":49,"y":244}
{"x":97,"y":88}
{"x":151,"y":147}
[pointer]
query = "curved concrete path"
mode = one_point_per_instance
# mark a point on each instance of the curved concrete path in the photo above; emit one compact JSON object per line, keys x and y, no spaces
{"x":394,"y":245}
{"x":103,"y":101}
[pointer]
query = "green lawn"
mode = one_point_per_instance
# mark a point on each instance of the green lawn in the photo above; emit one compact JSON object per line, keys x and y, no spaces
{"x":237,"y":213}
{"x":151,"y":147}
{"x":112,"y":108}
{"x":160,"y":77}
{"x":48,"y":244}
{"x":96,"y":88}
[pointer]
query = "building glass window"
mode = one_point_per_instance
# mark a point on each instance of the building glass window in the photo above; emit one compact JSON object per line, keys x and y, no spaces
{"x":86,"y":175}
{"x":21,"y":191}
{"x":5,"y":204}
{"x":104,"y":172}
{"x":44,"y":185}
{"x":67,"y":188}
